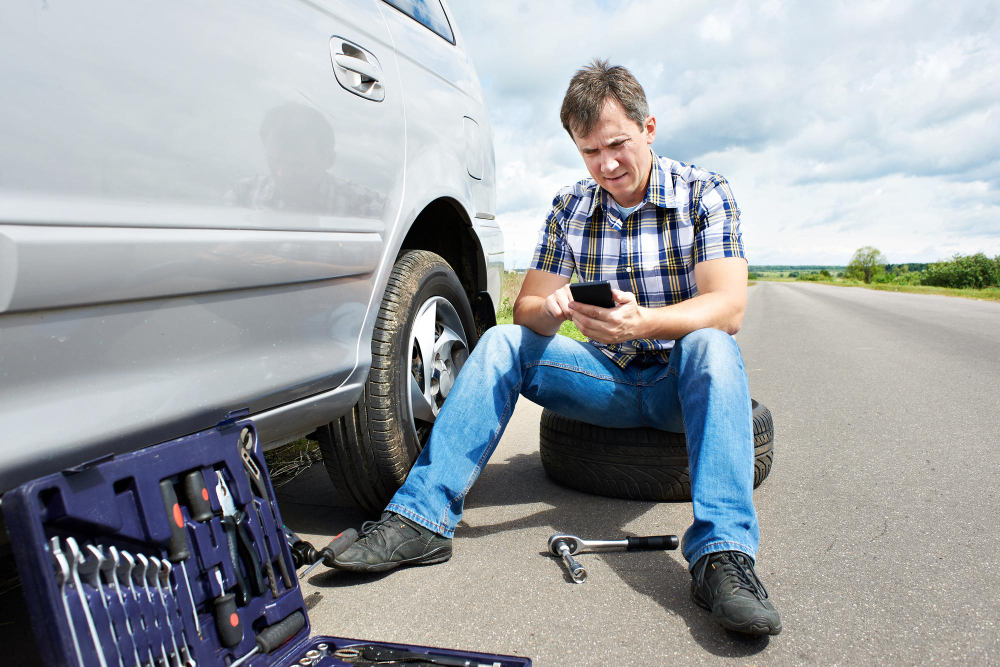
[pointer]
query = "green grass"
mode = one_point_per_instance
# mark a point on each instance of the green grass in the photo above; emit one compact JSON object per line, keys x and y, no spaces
{"x":987,"y":294}
{"x":508,"y":292}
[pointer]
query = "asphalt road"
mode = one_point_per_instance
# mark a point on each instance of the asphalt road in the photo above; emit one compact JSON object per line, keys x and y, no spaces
{"x":879,"y":521}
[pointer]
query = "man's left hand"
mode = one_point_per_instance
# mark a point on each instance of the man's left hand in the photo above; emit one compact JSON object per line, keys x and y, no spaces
{"x":622,"y":323}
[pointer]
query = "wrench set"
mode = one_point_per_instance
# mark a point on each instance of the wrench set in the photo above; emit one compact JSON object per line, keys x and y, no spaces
{"x":176,"y":556}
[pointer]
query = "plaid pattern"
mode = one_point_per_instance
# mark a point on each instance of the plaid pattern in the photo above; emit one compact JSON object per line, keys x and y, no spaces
{"x":689,"y":215}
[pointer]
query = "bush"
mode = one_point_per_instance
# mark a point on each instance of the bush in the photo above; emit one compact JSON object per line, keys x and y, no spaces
{"x":867,"y":264}
{"x":793,"y":274}
{"x":964,"y":271}
{"x":752,"y":276}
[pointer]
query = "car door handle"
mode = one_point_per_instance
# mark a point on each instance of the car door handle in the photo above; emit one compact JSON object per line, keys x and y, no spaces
{"x":366,"y":70}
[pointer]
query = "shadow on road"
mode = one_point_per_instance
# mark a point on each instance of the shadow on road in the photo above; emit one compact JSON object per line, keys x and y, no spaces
{"x":521,"y":481}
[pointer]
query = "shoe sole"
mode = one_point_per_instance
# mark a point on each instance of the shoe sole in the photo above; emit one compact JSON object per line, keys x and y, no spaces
{"x":757,"y":625}
{"x":439,"y":555}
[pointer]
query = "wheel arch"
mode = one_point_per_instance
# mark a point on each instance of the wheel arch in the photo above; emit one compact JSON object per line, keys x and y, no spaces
{"x":443,"y":227}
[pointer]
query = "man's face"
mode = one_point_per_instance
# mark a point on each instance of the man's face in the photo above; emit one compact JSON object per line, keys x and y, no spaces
{"x":617,"y":154}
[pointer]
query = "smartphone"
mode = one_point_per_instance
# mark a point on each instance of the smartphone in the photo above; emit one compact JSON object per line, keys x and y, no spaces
{"x":597,"y":293}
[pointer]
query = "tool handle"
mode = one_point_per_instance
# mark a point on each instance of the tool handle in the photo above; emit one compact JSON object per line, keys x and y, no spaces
{"x":253,"y":564}
{"x":275,"y":635}
{"x":177,"y":547}
{"x":227,"y":620}
{"x":338,"y":545}
{"x":196,"y":492}
{"x":286,"y":576}
{"x":654,"y":543}
{"x":242,"y":589}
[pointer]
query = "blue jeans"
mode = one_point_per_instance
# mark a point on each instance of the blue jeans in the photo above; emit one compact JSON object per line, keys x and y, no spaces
{"x":703,"y":392}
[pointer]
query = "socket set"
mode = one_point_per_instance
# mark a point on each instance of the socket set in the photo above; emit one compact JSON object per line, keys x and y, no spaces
{"x":176,"y":556}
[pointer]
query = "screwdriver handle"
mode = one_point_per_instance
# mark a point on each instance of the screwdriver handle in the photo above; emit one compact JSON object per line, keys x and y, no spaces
{"x":653,"y":543}
{"x":275,"y":635}
{"x":177,"y":547}
{"x":196,"y":492}
{"x":227,"y":620}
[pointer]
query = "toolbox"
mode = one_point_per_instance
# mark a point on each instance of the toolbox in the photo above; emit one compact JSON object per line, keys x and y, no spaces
{"x":175,"y":556}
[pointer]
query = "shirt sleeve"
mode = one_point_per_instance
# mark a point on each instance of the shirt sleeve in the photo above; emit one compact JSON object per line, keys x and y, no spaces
{"x":552,"y":254}
{"x":718,"y":234}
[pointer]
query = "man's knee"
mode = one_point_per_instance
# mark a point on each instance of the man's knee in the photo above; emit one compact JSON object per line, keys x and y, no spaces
{"x":506,"y":337}
{"x":711,"y":349}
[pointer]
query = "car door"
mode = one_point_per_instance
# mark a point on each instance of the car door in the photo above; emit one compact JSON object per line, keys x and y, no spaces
{"x":193,"y":201}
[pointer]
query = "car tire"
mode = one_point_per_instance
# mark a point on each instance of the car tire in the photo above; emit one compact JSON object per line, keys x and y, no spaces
{"x":633,"y":463}
{"x":369,"y":451}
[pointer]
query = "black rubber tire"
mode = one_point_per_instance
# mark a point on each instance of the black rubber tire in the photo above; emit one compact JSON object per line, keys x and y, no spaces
{"x":369,"y":451}
{"x":633,"y":463}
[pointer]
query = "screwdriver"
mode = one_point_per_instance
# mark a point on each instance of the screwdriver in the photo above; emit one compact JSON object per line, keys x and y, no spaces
{"x":337,"y":546}
{"x":227,"y":620}
{"x":275,"y":635}
{"x":178,"y":549}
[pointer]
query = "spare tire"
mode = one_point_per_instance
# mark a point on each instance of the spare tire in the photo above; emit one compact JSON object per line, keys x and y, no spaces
{"x":633,"y":463}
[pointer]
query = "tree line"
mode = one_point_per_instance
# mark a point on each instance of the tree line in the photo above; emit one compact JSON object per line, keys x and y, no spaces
{"x":976,"y":271}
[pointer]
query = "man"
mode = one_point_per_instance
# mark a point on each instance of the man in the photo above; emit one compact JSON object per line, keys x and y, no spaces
{"x":668,"y":236}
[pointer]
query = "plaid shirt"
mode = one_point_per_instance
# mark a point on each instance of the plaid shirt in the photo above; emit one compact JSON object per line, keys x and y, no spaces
{"x":689,"y":215}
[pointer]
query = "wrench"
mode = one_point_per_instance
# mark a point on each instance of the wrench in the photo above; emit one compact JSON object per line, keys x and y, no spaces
{"x":76,"y":558}
{"x":126,"y":568}
{"x":91,"y":569}
{"x":163,"y":577}
{"x":567,"y":546}
{"x":110,"y":569}
{"x":153,"y":576}
{"x":139,"y":576}
{"x":62,"y":576}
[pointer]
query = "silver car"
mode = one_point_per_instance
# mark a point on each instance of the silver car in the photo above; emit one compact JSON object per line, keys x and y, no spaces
{"x":276,"y":208}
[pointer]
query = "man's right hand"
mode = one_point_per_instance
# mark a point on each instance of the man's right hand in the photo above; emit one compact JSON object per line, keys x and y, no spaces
{"x":543,"y":303}
{"x":557,"y":303}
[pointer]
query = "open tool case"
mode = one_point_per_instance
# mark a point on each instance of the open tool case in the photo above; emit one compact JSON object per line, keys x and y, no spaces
{"x":174,"y":556}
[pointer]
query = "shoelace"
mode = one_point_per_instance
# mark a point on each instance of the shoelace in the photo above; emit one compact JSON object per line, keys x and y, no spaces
{"x":740,"y":569}
{"x":370,"y":526}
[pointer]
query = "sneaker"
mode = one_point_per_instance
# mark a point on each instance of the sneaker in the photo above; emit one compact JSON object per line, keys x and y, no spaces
{"x":726,"y":584}
{"x":393,"y":541}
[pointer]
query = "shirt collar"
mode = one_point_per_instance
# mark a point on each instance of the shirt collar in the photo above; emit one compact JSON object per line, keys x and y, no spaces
{"x":660,"y":190}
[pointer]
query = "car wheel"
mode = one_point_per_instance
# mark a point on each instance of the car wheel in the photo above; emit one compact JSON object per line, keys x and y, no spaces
{"x":634,"y":463}
{"x":423,"y":335}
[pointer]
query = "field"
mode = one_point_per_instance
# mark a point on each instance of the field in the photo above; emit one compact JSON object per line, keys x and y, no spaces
{"x":508,"y":293}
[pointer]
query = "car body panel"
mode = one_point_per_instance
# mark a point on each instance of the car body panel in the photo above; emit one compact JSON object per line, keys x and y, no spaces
{"x":197,"y":217}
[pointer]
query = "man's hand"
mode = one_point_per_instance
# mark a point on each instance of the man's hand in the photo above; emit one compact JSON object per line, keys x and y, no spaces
{"x":557,"y":304}
{"x":622,"y":323}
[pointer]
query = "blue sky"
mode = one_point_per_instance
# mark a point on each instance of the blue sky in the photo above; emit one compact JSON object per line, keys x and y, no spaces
{"x":838,"y":124}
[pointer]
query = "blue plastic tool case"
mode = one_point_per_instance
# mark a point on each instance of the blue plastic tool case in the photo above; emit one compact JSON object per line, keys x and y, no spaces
{"x":126,"y":603}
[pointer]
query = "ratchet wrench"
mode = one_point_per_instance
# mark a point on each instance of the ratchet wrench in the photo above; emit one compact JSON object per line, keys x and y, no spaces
{"x":567,"y":546}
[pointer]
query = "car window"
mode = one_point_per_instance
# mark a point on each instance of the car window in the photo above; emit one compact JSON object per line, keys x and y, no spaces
{"x":428,"y":12}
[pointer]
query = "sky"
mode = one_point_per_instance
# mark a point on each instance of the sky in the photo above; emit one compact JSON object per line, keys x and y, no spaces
{"x":837,"y":124}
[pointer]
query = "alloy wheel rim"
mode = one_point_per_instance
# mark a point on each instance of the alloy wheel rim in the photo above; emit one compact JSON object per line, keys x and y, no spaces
{"x":437,"y":351}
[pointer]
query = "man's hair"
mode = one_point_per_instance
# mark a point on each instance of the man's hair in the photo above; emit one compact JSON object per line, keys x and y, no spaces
{"x":591,"y":87}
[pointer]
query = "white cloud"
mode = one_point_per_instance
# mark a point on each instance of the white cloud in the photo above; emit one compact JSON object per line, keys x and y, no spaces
{"x":838,"y":124}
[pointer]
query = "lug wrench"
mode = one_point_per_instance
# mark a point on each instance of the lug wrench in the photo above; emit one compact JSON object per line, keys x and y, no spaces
{"x":163,"y":577}
{"x":568,"y":546}
{"x":139,"y":577}
{"x":63,"y":576}
{"x":75,"y":559}
{"x":125,"y":572}
{"x":110,"y":568}
{"x":91,"y":569}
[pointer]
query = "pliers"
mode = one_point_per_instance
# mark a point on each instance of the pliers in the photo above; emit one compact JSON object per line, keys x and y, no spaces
{"x":241,"y":549}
